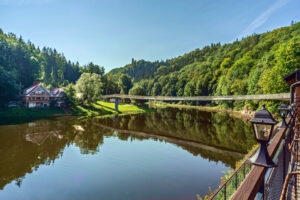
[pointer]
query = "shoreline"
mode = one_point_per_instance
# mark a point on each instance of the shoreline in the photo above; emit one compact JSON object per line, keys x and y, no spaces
{"x":98,"y":109}
{"x":243,"y":114}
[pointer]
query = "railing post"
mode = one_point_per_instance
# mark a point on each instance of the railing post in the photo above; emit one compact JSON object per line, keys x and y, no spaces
{"x":225,"y":192}
{"x":262,"y":190}
{"x":284,"y":159}
{"x":236,"y":180}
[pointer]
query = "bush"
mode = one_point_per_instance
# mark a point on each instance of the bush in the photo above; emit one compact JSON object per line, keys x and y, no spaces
{"x":137,"y":90}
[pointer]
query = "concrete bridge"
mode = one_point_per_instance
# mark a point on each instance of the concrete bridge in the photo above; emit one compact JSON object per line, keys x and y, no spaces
{"x":280,"y":96}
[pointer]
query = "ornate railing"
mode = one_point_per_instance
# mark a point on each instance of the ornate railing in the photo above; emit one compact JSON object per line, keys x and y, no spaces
{"x":231,"y":185}
{"x":267,"y":183}
{"x":248,"y":180}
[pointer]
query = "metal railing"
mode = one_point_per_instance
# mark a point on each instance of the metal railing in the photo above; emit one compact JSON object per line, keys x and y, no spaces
{"x":228,"y":188}
{"x":232,"y":184}
{"x":274,"y":178}
{"x":280,"y":96}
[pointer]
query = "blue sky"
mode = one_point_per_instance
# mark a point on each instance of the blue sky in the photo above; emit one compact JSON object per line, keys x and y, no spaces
{"x":111,"y":32}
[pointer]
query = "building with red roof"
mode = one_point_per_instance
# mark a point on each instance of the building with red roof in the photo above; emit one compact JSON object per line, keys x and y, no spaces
{"x":37,"y":96}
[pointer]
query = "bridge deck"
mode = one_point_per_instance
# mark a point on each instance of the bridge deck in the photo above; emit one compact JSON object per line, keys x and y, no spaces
{"x":281,"y":96}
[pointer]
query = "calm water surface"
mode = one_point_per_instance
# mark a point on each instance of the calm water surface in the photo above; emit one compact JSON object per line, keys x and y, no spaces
{"x":168,"y":154}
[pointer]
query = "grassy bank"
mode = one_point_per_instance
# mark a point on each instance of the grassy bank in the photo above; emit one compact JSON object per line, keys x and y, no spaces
{"x":97,"y":109}
{"x":30,"y":112}
{"x":104,"y":108}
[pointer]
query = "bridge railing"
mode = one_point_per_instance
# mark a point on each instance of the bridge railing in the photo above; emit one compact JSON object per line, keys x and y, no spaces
{"x":280,"y":96}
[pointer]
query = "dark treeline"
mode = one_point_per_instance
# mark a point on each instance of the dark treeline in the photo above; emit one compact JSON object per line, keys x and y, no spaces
{"x":253,"y":65}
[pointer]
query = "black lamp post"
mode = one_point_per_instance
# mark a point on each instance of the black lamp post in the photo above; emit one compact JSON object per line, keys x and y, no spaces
{"x":293,"y":110}
{"x":290,"y":112}
{"x":284,"y":110}
{"x":263,"y":125}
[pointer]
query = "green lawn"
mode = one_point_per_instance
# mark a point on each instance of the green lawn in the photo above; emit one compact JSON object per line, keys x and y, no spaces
{"x":96,"y":109}
{"x":105,"y":108}
{"x":30,"y":112}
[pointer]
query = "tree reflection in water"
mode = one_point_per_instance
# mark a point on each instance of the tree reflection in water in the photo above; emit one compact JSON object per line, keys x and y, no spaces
{"x":214,"y":129}
{"x":26,"y":146}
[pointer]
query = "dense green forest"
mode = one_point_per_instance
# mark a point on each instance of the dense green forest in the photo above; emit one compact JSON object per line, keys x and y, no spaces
{"x":21,"y":64}
{"x":253,"y":65}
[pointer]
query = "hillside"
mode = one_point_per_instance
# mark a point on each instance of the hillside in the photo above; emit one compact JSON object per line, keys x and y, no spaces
{"x":21,"y":64}
{"x":253,"y":65}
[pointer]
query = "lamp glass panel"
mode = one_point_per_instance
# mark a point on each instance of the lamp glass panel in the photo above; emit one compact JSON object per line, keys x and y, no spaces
{"x":283,"y":113}
{"x":262,"y":131}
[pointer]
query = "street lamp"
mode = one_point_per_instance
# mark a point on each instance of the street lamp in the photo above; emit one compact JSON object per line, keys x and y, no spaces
{"x":293,"y":109}
{"x":290,"y":112}
{"x":284,"y":110}
{"x":263,"y":125}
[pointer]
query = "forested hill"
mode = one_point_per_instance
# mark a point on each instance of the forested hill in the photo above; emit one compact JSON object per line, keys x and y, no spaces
{"x":21,"y":64}
{"x":137,"y":69}
{"x":254,"y":65}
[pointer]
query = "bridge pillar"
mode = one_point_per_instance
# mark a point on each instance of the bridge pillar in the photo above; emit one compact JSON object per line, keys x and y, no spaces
{"x":116,"y":104}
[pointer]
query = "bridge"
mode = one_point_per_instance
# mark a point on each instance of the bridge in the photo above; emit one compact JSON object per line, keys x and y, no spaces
{"x":280,"y":96}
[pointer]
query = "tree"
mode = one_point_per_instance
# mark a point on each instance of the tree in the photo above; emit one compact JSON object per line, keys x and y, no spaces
{"x":125,"y":83}
{"x":8,"y":87}
{"x":137,"y":90}
{"x":162,"y":70}
{"x":189,"y":89}
{"x":156,"y":90}
{"x":89,"y":88}
{"x":110,"y":84}
{"x":93,"y":69}
{"x":70,"y":92}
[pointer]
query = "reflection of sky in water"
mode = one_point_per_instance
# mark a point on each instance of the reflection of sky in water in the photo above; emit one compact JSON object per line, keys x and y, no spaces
{"x":121,"y":170}
{"x":79,"y":177}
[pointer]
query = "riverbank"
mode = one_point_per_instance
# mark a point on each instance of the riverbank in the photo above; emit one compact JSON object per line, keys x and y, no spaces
{"x":20,"y":112}
{"x":97,"y":109}
{"x":244,"y":114}
{"x":101,"y":108}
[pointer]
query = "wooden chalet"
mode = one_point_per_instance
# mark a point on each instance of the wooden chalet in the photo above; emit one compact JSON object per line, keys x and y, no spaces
{"x":37,"y":96}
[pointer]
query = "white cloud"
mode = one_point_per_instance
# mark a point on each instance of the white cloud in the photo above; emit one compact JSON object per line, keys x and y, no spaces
{"x":261,"y":19}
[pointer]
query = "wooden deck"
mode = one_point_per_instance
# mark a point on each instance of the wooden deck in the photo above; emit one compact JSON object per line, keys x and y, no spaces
{"x":296,"y":186}
{"x":295,"y":182}
{"x":291,"y":188}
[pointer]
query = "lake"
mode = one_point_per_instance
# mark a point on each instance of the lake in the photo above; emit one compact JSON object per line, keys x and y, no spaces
{"x":168,"y":154}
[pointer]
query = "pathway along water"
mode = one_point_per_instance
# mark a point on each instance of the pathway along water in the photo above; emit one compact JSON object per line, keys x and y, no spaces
{"x":168,"y":154}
